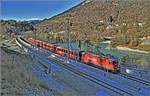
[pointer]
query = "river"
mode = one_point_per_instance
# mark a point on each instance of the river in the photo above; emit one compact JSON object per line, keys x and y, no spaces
{"x":131,"y":58}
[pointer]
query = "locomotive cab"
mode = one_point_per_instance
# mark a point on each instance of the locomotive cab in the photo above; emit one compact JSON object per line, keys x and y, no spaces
{"x":80,"y":54}
{"x":115,"y":66}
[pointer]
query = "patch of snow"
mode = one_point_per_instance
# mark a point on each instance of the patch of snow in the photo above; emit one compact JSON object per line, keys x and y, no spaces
{"x":117,"y":25}
{"x":129,"y":71}
{"x":87,"y":1}
{"x":26,"y":50}
{"x":124,"y":24}
{"x":140,"y":24}
{"x":37,"y":49}
{"x":61,"y":32}
{"x":18,"y":44}
{"x":109,"y":26}
{"x":68,"y":61}
{"x":106,"y":42}
{"x":53,"y":56}
{"x":101,"y":21}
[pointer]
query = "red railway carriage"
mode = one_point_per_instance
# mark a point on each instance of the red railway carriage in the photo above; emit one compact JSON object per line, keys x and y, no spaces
{"x":31,"y":41}
{"x":46,"y":46}
{"x":35,"y":42}
{"x":65,"y":52}
{"x":51,"y":47}
{"x":73,"y":55}
{"x":42,"y":44}
{"x":39,"y":43}
{"x":60,"y":51}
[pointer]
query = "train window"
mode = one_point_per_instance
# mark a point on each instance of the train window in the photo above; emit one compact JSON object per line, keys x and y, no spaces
{"x":68,"y":52}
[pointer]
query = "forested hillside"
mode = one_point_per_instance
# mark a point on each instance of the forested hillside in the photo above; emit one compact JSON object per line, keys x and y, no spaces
{"x":11,"y":27}
{"x":127,"y":21}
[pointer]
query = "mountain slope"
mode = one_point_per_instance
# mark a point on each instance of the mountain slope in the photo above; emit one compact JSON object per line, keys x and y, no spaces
{"x":92,"y":21}
{"x":9,"y":27}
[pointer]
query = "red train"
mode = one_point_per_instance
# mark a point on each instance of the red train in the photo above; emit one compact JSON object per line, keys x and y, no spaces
{"x":87,"y":58}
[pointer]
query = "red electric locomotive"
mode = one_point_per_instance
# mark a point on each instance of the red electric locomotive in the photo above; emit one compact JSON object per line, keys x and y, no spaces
{"x":99,"y":61}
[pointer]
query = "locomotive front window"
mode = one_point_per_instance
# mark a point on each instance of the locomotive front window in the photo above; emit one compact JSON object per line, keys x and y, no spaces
{"x":114,"y":62}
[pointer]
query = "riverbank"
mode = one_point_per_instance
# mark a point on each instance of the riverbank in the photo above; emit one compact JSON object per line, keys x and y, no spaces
{"x":133,"y":50}
{"x":125,"y":48}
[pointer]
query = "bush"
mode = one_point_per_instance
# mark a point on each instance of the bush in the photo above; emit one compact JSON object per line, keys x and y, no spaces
{"x":144,"y":47}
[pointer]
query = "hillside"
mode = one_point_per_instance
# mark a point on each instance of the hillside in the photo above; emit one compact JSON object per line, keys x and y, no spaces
{"x":10,"y":27}
{"x":32,"y":22}
{"x":126,"y":21}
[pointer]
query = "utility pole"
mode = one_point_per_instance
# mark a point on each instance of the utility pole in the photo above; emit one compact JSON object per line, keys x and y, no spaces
{"x":68,"y":36}
{"x":68,"y":33}
{"x":113,"y":15}
{"x":34,"y":35}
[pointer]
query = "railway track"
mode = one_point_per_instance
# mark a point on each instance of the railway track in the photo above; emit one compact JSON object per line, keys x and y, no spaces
{"x":135,"y":79}
{"x":91,"y":78}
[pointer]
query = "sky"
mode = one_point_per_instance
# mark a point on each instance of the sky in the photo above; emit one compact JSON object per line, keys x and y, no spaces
{"x":34,"y":9}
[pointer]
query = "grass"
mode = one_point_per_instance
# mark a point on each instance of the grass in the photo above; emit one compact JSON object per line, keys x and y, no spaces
{"x":6,"y":49}
{"x":15,"y":75}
